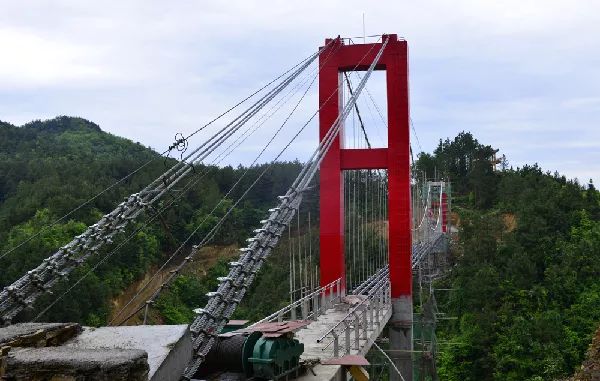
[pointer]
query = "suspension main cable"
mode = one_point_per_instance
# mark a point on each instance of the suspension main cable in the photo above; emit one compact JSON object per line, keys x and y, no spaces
{"x":26,"y":289}
{"x":133,"y":234}
{"x":180,"y":247}
{"x":208,"y":237}
{"x":219,"y":308}
{"x":332,"y":133}
{"x":130,"y":174}
{"x":205,"y":149}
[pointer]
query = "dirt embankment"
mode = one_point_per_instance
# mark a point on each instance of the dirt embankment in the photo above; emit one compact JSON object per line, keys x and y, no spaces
{"x":590,"y":369}
{"x":510,"y":221}
{"x":206,"y":258}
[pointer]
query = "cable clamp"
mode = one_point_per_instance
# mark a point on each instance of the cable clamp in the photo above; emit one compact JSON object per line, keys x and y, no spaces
{"x":203,"y":311}
{"x":213,"y":294}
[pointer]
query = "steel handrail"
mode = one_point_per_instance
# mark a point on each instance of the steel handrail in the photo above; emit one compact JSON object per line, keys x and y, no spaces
{"x":377,"y":287}
{"x":367,"y":283}
{"x":297,"y":303}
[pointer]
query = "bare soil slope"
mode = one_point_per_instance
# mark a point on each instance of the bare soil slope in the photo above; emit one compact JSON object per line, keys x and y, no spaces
{"x":206,"y":258}
{"x":590,"y":370}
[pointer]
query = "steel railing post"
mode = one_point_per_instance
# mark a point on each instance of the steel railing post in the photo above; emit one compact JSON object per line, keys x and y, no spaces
{"x":371,"y":315}
{"x":377,"y":308}
{"x":315,"y":303}
{"x":304,"y":309}
{"x":347,"y":336}
{"x":365,"y":324}
{"x":336,"y":344}
{"x":356,"y":330}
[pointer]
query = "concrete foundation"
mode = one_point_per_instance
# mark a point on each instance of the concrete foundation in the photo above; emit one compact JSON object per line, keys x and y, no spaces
{"x":169,"y":347}
{"x":69,"y":364}
{"x":58,"y":352}
{"x":401,"y":343}
{"x":37,"y":334}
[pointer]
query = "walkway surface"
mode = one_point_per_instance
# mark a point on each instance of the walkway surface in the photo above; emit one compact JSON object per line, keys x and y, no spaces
{"x":324,"y":350}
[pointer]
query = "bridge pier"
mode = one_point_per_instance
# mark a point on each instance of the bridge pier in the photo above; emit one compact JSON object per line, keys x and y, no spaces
{"x":400,"y":333}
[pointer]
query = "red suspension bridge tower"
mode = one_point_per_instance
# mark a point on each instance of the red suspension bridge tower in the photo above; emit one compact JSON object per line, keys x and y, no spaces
{"x":336,"y":59}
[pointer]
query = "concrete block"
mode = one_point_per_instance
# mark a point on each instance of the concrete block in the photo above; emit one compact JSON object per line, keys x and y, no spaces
{"x":169,"y":347}
{"x":37,"y":334}
{"x":64,"y":363}
{"x":109,"y":353}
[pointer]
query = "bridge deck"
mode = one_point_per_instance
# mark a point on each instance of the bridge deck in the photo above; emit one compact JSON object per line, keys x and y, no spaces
{"x":324,"y":350}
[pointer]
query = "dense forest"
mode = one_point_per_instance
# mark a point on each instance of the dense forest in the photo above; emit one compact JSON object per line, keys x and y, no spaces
{"x":48,"y":169}
{"x":526,"y":261}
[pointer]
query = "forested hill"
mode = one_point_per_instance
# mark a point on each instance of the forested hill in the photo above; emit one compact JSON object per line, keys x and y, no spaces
{"x":48,"y":168}
{"x":525,"y":285}
{"x":60,"y":163}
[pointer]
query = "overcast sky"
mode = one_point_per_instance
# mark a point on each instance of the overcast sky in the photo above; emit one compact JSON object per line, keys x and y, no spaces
{"x":522,"y":76}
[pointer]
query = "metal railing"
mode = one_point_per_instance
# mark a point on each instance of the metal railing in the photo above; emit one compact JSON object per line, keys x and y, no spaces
{"x":365,"y":286}
{"x":421,"y":249}
{"x":312,"y":305}
{"x":365,"y":317}
{"x":309,"y":306}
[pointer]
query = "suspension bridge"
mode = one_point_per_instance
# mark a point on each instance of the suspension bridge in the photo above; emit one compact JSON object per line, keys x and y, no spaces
{"x":380,"y":230}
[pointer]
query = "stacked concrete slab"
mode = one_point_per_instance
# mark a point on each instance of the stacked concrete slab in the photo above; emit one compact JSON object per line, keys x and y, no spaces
{"x":67,"y":351}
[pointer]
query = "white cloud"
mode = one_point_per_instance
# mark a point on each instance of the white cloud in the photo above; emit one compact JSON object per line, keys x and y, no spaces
{"x":512,"y":72}
{"x":582,"y":103}
{"x":33,"y":60}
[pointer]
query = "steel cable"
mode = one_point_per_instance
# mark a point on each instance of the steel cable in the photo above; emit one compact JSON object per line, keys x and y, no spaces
{"x":232,"y":288}
{"x":211,"y":234}
{"x":53,"y":223}
{"x":15,"y":297}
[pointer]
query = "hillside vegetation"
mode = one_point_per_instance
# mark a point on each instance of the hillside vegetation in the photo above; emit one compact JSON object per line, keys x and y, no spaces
{"x":48,"y":168}
{"x":527,"y":296}
{"x":525,"y":262}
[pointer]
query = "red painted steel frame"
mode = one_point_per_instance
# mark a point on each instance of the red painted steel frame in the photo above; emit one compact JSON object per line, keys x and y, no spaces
{"x":334,"y":60}
{"x":444,"y":212}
